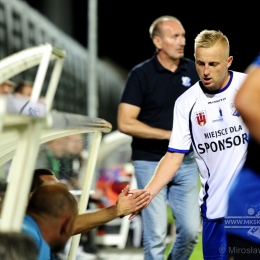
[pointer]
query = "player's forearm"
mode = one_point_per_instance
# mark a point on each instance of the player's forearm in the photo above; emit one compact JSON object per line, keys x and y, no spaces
{"x":252,"y":122}
{"x":90,"y":220}
{"x":247,"y":102}
{"x":138,"y":129}
{"x":165,"y":171}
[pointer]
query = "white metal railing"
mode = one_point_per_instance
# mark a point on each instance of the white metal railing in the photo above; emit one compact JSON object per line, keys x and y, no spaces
{"x":21,"y":133}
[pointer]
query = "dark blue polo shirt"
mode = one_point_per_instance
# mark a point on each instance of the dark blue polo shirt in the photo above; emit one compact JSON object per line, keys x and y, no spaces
{"x":155,"y":89}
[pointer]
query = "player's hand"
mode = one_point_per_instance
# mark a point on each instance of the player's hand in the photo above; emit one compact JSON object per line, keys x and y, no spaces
{"x":132,"y":202}
{"x":144,"y":205}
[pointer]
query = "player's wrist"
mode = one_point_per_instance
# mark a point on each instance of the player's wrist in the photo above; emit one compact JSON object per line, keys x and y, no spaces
{"x":151,"y":192}
{"x":117,"y":210}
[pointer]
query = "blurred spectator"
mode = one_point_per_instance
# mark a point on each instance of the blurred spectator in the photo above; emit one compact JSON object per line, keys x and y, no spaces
{"x":66,"y":158}
{"x":24,"y":88}
{"x":16,"y":245}
{"x":110,"y":183}
{"x":7,"y":87}
{"x":73,"y":162}
{"x":50,"y":155}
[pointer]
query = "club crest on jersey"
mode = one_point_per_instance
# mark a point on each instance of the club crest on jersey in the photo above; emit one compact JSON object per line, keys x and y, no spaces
{"x":220,"y":118}
{"x":234,"y":111}
{"x":201,"y":118}
{"x":186,"y":81}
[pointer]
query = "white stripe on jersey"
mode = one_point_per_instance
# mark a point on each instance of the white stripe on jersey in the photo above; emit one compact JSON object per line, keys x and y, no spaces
{"x":219,"y":138}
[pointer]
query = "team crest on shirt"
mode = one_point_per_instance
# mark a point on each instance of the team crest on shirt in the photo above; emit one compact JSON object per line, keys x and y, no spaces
{"x":34,"y":111}
{"x":201,"y":117}
{"x":234,"y":111}
{"x":186,"y":81}
{"x":220,"y":118}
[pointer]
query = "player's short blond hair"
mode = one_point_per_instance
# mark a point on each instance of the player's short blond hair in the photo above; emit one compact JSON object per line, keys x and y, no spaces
{"x":154,"y":28}
{"x":208,"y":38}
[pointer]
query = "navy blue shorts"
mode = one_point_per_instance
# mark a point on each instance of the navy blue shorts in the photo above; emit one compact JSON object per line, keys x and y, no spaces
{"x":214,"y":240}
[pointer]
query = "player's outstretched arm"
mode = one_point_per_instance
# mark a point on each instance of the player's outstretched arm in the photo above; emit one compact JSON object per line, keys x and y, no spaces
{"x":127,"y":203}
{"x":165,"y":171}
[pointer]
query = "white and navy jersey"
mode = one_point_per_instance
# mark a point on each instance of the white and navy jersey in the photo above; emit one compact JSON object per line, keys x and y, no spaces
{"x":210,"y":122}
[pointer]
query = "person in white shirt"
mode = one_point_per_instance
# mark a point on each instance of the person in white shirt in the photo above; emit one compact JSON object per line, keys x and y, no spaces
{"x":206,"y":118}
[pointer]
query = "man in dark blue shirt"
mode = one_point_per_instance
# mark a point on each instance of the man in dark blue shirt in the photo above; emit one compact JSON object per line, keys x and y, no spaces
{"x":146,"y":113}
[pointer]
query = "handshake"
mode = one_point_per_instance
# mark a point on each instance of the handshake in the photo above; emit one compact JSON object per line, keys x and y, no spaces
{"x":132,"y":202}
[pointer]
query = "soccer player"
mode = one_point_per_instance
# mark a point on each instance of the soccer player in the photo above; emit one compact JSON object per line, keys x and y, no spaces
{"x":206,"y":118}
{"x":244,"y":239}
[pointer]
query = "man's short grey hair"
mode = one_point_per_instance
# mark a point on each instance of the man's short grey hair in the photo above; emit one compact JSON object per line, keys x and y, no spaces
{"x":153,"y":30}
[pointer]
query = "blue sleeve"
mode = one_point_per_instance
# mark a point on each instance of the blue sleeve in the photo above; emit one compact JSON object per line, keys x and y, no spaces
{"x":256,"y":61}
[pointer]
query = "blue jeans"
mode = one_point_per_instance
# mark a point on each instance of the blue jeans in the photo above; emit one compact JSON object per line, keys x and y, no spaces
{"x":182,"y":195}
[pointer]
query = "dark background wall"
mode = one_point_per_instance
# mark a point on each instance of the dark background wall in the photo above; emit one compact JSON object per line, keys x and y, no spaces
{"x":123,"y":25}
{"x":123,"y":39}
